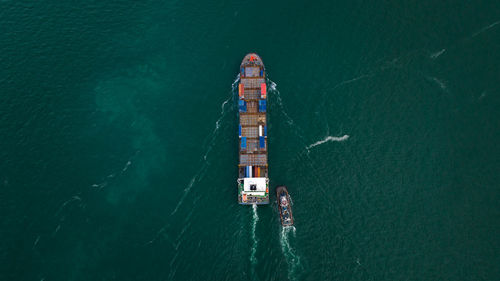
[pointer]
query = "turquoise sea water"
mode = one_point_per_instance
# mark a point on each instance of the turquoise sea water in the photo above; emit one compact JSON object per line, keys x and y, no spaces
{"x":118,"y":133}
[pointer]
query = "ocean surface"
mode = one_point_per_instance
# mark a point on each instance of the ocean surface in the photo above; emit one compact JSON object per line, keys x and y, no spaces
{"x":119,"y":149}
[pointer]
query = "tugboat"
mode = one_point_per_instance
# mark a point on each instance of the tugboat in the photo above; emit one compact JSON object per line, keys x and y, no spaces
{"x":284,"y":205}
{"x":253,"y":181}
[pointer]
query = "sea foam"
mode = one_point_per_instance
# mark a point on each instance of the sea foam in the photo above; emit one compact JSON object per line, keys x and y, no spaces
{"x":328,"y":139}
{"x":292,"y":258}
{"x":435,"y":55}
{"x":255,"y":219}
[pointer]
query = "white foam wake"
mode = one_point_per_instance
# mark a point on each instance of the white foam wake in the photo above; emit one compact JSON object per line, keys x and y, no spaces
{"x":36,"y":242}
{"x":184,"y":194}
{"x":115,"y":175}
{"x":63,"y":205}
{"x":255,"y":219}
{"x":126,"y":166}
{"x":440,"y":83}
{"x":349,"y":81}
{"x":275,"y":93}
{"x":346,"y":82}
{"x":328,"y":139}
{"x":214,"y":133}
{"x":235,"y":82}
{"x":292,"y":259}
{"x":485,"y":29}
{"x":272,"y":86}
{"x":437,"y":54}
{"x":211,"y":138}
{"x":222,"y":114}
{"x":56,"y":230}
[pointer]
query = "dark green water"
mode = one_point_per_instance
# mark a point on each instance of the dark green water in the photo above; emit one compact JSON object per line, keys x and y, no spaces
{"x":118,"y":134}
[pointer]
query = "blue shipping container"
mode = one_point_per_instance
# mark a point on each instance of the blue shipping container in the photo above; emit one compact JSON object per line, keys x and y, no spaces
{"x":265,"y":131}
{"x":262,"y":142}
{"x":262,"y":105}
{"x":242,"y":105}
{"x":239,"y":129}
{"x":244,"y":142}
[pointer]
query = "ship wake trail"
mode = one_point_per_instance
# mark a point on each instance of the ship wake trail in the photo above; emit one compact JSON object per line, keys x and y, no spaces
{"x":223,"y":110}
{"x":292,"y":259}
{"x":209,"y":143}
{"x":435,"y":55}
{"x":253,"y":251}
{"x":275,"y":93}
{"x":485,"y":29}
{"x":440,"y":83}
{"x":328,"y":139}
{"x":212,"y":140}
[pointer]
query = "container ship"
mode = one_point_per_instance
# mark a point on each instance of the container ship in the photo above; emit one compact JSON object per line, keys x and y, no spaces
{"x":253,"y":181}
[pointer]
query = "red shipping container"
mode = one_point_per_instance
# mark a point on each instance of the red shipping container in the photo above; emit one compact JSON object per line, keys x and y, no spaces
{"x":241,"y":90}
